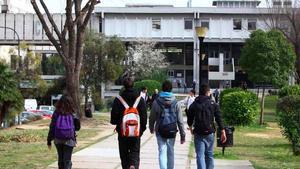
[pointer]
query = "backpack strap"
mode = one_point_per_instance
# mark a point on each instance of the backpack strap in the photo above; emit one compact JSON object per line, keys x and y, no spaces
{"x":137,"y":101}
{"x":123,"y":102}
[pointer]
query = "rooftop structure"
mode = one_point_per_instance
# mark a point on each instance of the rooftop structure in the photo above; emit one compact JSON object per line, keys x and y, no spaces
{"x":236,"y":3}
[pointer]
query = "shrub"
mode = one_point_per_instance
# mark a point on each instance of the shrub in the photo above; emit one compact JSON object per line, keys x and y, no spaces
{"x":150,"y":84}
{"x":227,"y":91}
{"x":288,"y":112}
{"x":289,"y":91}
{"x":240,"y":108}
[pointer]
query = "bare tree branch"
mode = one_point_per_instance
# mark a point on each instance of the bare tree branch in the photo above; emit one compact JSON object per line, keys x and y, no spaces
{"x":50,"y":18}
{"x":89,"y":13}
{"x":47,"y":30}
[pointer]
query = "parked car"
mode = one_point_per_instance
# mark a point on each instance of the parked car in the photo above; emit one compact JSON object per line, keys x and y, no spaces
{"x":30,"y":116}
{"x":44,"y":113}
{"x":48,"y":108}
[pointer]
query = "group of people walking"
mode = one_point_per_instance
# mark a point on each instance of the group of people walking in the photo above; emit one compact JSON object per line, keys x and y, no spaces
{"x":129,"y":114}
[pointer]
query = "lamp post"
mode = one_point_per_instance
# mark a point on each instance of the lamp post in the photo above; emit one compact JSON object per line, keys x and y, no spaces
{"x":201,"y":32}
{"x":19,"y":55}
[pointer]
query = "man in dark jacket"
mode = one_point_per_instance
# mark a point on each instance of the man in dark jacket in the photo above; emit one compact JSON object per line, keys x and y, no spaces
{"x":201,"y":116}
{"x":129,"y":147}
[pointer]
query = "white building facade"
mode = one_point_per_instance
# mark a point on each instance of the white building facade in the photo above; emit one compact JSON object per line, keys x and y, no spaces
{"x":229,"y":24}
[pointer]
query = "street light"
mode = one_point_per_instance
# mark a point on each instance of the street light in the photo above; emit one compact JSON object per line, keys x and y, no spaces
{"x":201,"y":32}
{"x":19,"y":55}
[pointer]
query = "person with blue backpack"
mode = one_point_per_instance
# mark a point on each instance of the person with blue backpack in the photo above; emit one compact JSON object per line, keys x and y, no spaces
{"x":62,"y":130}
{"x":165,"y":120}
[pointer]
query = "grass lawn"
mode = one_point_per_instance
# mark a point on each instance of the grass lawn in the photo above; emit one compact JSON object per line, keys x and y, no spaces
{"x":28,"y":149}
{"x":264,"y":146}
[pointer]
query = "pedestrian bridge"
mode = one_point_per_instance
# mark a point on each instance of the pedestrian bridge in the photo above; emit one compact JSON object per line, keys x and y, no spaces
{"x":27,"y":27}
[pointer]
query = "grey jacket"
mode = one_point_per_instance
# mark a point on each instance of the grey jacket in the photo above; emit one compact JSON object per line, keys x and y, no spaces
{"x":156,"y":111}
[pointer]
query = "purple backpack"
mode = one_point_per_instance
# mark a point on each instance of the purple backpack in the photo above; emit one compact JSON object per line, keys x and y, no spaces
{"x":64,"y":127}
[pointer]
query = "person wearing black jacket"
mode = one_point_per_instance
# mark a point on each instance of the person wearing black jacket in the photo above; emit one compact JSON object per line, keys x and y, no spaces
{"x":129,"y":147}
{"x":200,"y":118}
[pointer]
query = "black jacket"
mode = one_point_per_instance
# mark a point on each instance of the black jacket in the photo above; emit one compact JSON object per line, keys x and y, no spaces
{"x":129,"y":95}
{"x":193,"y":117}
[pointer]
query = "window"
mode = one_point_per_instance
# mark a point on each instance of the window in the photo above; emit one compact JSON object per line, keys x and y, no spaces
{"x":188,"y":23}
{"x":13,"y":62}
{"x":277,"y":3}
{"x":171,"y":73}
{"x":156,"y":24}
{"x":230,"y":4}
{"x":237,"y":24}
{"x":214,"y":68}
{"x":205,"y":24}
{"x":251,"y":24}
{"x":287,"y":3}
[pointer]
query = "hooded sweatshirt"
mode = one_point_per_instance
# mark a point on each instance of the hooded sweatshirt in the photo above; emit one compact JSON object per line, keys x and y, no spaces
{"x":193,"y":113}
{"x":166,"y":98}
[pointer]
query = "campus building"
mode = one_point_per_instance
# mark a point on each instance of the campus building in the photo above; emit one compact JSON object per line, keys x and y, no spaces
{"x":229,"y":24}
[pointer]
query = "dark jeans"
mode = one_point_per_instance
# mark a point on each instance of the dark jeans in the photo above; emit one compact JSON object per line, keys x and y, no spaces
{"x":129,"y":149}
{"x":64,"y":153}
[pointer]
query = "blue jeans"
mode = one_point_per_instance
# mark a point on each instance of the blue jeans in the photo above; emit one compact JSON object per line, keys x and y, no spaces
{"x":166,"y":152}
{"x":204,"y":147}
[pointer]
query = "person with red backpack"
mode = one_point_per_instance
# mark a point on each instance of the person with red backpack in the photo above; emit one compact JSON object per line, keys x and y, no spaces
{"x":201,"y":117}
{"x":129,"y":114}
{"x":62,"y":130}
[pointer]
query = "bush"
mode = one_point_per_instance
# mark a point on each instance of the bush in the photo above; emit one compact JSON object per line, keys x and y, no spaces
{"x":289,"y":91}
{"x":227,"y":91}
{"x":240,"y":108}
{"x":288,"y":112}
{"x":150,"y":84}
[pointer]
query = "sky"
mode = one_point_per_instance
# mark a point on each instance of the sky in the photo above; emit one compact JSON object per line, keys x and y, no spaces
{"x":59,"y":5}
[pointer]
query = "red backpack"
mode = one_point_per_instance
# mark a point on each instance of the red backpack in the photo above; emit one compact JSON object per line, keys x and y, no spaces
{"x":130,"y":126}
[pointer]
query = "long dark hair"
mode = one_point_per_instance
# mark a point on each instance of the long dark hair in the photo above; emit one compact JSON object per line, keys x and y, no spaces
{"x":65,"y":105}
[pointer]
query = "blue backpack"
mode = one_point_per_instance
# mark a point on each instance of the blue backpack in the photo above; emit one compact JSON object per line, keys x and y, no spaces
{"x":167,"y":125}
{"x":64,"y":127}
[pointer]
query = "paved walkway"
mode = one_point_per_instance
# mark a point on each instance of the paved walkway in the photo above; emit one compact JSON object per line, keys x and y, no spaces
{"x":105,"y":155}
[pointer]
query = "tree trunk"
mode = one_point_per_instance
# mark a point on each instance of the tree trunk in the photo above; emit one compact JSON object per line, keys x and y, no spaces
{"x":72,"y":86}
{"x":261,"y":119}
{"x":4,"y":111}
{"x":257,"y":94}
{"x":297,"y":49}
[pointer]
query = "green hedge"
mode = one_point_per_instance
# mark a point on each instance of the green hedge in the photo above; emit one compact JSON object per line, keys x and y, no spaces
{"x":150,"y":84}
{"x":288,"y":112}
{"x":227,"y":91}
{"x":240,"y":108}
{"x":289,"y":91}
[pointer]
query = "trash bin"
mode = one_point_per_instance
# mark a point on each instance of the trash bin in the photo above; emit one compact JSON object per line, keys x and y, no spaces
{"x":229,"y":134}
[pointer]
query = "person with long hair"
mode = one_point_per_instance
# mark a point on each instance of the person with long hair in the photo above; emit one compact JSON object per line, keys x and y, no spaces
{"x":62,"y":131}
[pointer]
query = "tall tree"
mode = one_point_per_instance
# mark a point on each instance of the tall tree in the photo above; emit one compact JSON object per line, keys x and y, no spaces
{"x":286,"y":18}
{"x":268,"y":58}
{"x":10,"y":96}
{"x":69,"y":42}
{"x":144,"y":58}
{"x":102,"y":61}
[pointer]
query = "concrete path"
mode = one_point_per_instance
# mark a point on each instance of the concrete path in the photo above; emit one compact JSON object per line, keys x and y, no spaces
{"x":105,"y":155}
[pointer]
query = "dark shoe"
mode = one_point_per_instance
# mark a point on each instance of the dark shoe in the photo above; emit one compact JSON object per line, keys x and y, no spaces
{"x":68,"y":165}
{"x":61,"y":165}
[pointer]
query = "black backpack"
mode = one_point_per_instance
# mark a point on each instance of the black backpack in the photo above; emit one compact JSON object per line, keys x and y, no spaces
{"x":204,"y":118}
{"x":167,"y":125}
